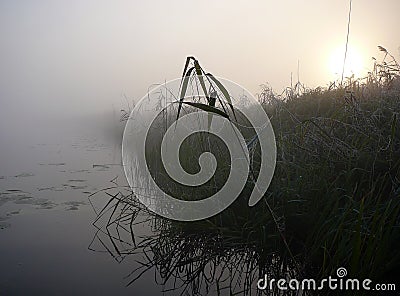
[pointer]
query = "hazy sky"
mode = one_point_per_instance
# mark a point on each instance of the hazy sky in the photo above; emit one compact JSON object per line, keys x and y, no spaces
{"x":59,"y":57}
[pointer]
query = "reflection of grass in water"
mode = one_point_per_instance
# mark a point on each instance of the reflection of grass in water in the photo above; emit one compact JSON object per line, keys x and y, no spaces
{"x":224,"y":253}
{"x":335,"y":195}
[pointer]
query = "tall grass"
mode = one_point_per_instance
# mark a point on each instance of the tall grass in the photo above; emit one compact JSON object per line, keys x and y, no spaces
{"x":335,"y":199}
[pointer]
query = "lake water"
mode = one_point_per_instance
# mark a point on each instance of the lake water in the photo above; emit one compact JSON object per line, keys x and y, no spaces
{"x":53,"y":184}
{"x":46,"y":176}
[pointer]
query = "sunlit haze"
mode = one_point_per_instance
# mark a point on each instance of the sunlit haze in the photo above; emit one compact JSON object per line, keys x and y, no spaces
{"x":77,"y":57}
{"x":277,"y":172}
{"x":355,"y":63}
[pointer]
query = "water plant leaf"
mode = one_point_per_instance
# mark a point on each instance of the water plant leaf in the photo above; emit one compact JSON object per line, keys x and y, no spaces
{"x":186,"y":65}
{"x":199,"y":73}
{"x":211,"y":101}
{"x":223,"y":90}
{"x":207,"y":108}
{"x":184,"y":86}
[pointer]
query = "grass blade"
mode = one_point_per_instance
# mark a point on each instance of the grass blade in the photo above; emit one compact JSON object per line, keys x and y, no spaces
{"x":207,"y":108}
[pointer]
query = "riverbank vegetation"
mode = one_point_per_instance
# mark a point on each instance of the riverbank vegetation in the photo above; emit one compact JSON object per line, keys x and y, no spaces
{"x":334,"y":200}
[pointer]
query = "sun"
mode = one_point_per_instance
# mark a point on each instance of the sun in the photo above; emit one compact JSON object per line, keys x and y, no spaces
{"x":354,"y":62}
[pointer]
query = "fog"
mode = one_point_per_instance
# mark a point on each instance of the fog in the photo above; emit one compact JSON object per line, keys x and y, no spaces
{"x":68,"y":67}
{"x":63,"y":60}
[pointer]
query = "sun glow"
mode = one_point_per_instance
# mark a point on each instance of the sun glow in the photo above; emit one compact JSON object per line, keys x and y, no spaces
{"x":354,"y":63}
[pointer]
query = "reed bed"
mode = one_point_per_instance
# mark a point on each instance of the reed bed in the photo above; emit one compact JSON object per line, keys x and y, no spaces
{"x":334,"y":200}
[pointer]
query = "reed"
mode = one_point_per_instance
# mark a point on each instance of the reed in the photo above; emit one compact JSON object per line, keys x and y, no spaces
{"x":335,"y":199}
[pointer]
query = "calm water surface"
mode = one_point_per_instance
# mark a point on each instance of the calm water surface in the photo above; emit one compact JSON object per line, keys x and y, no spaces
{"x":46,"y":217}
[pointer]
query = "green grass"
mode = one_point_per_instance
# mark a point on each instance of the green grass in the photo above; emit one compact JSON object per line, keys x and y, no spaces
{"x":334,"y":200}
{"x":337,"y":180}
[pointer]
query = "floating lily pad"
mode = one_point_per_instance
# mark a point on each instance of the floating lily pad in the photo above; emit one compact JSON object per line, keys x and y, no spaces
{"x":23,"y":175}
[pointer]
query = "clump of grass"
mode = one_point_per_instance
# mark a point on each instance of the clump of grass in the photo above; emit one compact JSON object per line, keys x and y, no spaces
{"x":337,"y":178}
{"x":335,"y":199}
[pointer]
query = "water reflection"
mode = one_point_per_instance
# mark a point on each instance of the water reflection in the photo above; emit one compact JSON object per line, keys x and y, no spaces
{"x":223,"y":255}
